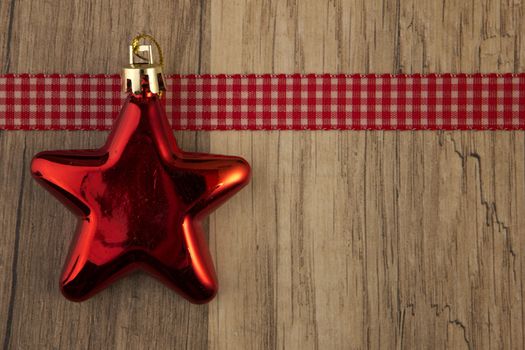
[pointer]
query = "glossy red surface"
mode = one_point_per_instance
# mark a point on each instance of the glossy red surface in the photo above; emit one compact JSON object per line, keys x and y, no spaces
{"x":140,"y":202}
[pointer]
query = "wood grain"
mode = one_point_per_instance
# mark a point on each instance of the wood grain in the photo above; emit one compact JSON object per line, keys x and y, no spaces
{"x":342,"y":240}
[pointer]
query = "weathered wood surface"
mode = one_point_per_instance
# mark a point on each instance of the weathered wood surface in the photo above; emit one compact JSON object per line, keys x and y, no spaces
{"x":342,"y":240}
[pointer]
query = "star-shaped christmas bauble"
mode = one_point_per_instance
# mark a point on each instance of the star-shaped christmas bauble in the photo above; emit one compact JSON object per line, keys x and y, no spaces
{"x":140,"y":201}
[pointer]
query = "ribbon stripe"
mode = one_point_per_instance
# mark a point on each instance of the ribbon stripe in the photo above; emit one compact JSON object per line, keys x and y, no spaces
{"x":274,"y":102}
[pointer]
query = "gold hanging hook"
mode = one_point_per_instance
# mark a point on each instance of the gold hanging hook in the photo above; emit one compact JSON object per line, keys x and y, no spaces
{"x":144,"y":77}
{"x":135,"y":44}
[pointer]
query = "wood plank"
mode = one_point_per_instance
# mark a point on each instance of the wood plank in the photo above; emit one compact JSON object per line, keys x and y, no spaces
{"x":360,"y":239}
{"x":85,"y":37}
{"x":12,"y":175}
{"x":79,"y":37}
{"x":375,"y":238}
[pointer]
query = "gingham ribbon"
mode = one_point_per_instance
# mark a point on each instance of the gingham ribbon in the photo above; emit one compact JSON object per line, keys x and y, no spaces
{"x":274,"y":102}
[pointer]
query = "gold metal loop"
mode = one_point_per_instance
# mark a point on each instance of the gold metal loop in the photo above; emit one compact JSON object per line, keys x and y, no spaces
{"x":140,"y":78}
{"x":135,"y":44}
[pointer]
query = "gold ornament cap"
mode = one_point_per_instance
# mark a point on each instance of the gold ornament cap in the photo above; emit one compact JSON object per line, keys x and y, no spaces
{"x":143,"y":75}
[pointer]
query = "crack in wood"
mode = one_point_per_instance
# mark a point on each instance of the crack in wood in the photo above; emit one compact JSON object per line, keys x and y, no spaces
{"x":7,"y":58}
{"x":491,"y":214}
{"x":455,"y":322}
{"x":14,"y":266}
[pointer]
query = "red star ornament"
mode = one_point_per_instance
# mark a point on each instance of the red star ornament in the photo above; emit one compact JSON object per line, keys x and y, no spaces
{"x":140,"y":202}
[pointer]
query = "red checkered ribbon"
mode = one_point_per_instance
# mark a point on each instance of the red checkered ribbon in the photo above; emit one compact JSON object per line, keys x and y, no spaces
{"x":274,"y":102}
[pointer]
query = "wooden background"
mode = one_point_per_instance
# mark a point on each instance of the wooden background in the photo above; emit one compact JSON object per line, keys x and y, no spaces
{"x":343,"y":239}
